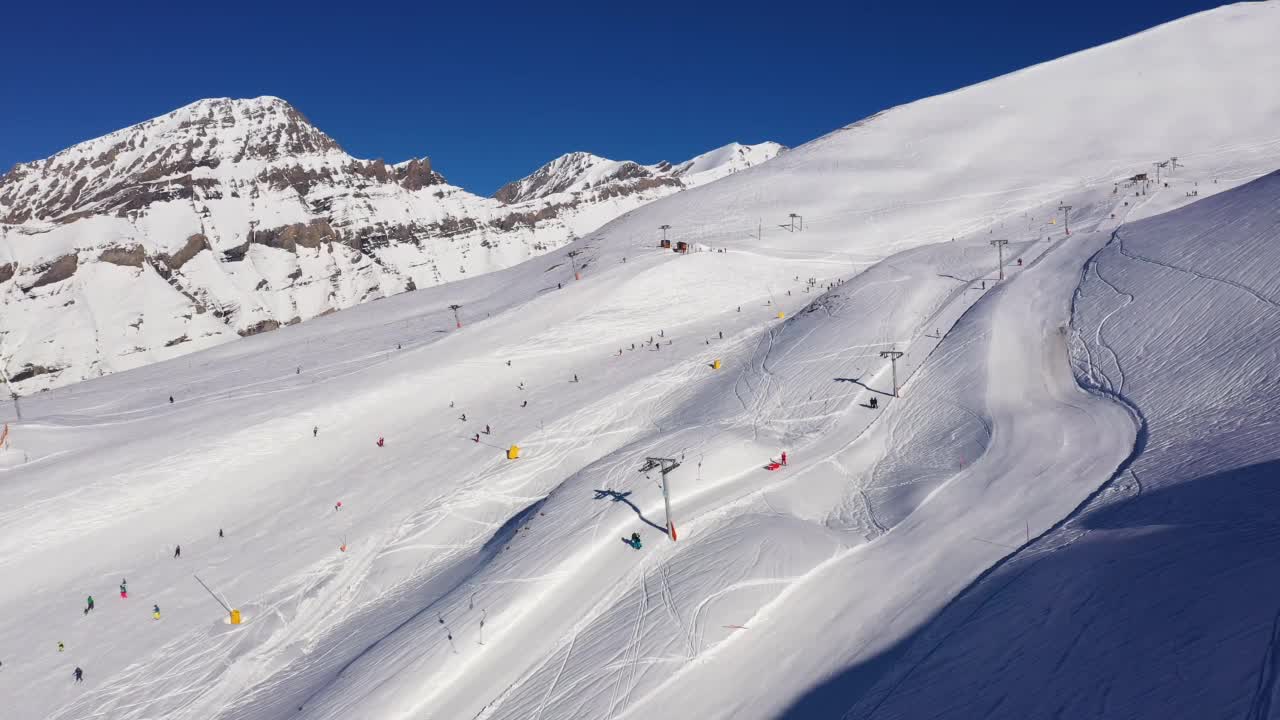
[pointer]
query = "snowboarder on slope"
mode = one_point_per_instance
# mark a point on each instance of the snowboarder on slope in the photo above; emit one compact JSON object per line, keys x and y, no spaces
{"x":633,"y":541}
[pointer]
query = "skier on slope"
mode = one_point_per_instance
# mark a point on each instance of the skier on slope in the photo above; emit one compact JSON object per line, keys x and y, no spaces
{"x":79,"y":674}
{"x":381,"y":442}
{"x":633,"y":541}
{"x":170,"y":399}
{"x":476,"y":439}
{"x":315,"y":431}
{"x":177,"y":551}
{"x":155,"y":612}
{"x":784,"y":458}
{"x":89,"y":607}
{"x":873,"y":403}
{"x":487,"y":431}
{"x":124,"y":590}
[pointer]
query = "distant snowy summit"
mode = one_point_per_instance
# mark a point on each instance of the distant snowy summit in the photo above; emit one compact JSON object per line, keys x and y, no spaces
{"x":580,"y":172}
{"x":229,"y":217}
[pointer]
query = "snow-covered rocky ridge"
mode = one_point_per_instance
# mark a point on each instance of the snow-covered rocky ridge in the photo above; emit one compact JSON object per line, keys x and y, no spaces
{"x":859,"y":581}
{"x":580,"y":172}
{"x":227,"y":217}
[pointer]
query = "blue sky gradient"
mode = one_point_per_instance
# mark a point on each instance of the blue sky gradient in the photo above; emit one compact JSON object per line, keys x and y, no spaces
{"x":491,"y":91}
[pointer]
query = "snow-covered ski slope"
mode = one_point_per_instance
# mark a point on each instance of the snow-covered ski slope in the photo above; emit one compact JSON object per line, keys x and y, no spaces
{"x":1163,"y":585}
{"x":476,"y":586}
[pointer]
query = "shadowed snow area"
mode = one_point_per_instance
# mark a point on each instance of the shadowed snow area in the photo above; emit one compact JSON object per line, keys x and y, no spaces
{"x":1070,"y":483}
{"x":1158,"y":597}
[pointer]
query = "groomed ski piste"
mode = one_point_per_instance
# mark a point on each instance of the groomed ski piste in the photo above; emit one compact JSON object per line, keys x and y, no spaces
{"x":938,"y":555}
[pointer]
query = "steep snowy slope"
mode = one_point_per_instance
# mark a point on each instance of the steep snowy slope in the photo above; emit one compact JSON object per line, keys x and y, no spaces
{"x":1167,"y":574}
{"x":231,"y":217}
{"x":455,"y":583}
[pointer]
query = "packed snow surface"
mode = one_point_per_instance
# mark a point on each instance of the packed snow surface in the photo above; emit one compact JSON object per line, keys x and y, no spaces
{"x":453,"y":582}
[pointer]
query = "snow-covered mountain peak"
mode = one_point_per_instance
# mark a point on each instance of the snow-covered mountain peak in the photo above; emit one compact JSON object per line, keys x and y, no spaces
{"x":730,"y":158}
{"x":230,"y":217}
{"x":130,"y":168}
{"x":579,"y":171}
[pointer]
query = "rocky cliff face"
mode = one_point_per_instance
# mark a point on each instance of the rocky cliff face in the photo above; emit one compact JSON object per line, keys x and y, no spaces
{"x":229,"y":217}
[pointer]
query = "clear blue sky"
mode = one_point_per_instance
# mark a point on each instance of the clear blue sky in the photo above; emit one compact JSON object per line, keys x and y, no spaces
{"x":491,"y":92}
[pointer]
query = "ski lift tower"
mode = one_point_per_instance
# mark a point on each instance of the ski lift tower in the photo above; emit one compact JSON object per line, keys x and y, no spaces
{"x":999,"y":245}
{"x":573,"y":262}
{"x":455,"y":309}
{"x":794,"y":218}
{"x":665,"y":466}
{"x":1066,"y":217}
{"x":893,"y":356}
{"x":664,"y":229}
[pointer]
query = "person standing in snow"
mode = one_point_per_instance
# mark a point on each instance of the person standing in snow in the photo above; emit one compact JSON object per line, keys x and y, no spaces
{"x":89,"y":607}
{"x":476,"y":439}
{"x":155,"y":612}
{"x":315,"y":431}
{"x":784,"y":457}
{"x":575,"y":377}
{"x":220,"y":532}
{"x":61,"y":647}
{"x":170,"y":399}
{"x":337,"y":506}
{"x":124,"y":590}
{"x":177,"y":551}
{"x":79,"y":674}
{"x":381,"y":442}
{"x":487,"y":431}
